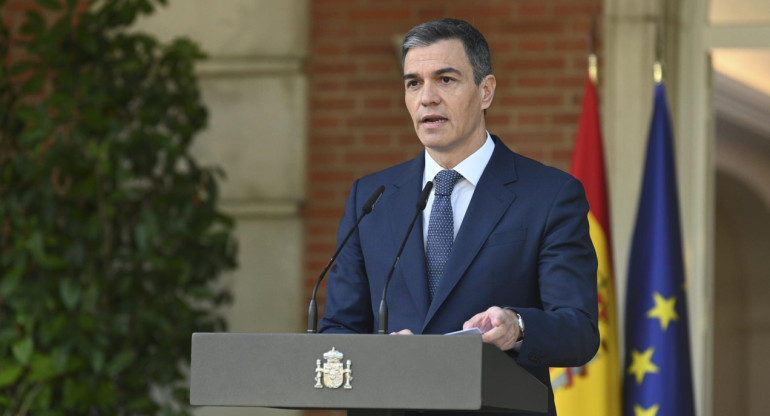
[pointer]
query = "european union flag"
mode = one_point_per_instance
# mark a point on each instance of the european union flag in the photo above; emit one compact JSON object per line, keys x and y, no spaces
{"x":657,"y":374}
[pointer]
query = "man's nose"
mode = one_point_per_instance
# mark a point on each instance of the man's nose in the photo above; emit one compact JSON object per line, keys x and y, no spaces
{"x":430,"y":94}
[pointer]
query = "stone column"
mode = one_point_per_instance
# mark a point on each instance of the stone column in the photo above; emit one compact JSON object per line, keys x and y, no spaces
{"x":255,"y":88}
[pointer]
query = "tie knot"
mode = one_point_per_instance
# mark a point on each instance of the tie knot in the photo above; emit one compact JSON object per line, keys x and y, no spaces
{"x":445,"y":181}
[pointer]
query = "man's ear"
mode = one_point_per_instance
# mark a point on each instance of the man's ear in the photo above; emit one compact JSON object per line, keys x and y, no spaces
{"x":487,"y":89}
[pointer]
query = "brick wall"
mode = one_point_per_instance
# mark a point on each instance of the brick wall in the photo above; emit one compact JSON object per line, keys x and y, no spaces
{"x":358,"y":122}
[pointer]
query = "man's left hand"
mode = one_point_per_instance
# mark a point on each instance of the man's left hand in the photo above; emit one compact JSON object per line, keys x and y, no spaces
{"x":499,"y":327}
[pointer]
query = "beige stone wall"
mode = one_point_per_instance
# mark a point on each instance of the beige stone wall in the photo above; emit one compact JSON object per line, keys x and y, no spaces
{"x":256,"y":91}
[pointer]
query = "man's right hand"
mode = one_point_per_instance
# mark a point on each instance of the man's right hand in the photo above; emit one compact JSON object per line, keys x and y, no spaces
{"x":402,"y":332}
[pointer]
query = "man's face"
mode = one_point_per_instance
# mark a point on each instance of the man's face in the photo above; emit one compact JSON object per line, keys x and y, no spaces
{"x":446,"y":105}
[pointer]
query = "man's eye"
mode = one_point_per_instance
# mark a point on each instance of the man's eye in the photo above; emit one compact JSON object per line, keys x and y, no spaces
{"x":446,"y":80}
{"x":411,"y":84}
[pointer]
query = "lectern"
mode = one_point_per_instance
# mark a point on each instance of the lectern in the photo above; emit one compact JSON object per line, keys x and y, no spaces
{"x":364,"y":374}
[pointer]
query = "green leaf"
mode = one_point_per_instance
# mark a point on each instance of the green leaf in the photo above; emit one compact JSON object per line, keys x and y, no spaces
{"x":22,"y":350}
{"x":9,"y":373}
{"x":53,"y":327}
{"x":76,"y":393}
{"x":42,"y":368}
{"x":120,"y":362}
{"x":10,"y":281}
{"x":44,"y":398}
{"x":106,"y":394}
{"x":70,"y":293}
{"x":97,"y":361}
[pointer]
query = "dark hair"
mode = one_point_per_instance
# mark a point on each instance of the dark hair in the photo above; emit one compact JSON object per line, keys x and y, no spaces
{"x":476,"y":47}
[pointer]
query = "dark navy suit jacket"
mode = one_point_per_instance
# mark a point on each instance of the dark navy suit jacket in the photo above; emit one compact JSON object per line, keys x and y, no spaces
{"x":523,"y":243}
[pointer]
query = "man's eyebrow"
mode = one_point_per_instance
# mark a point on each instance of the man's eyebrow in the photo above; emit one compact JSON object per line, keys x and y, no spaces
{"x":447,"y":70}
{"x":441,"y":71}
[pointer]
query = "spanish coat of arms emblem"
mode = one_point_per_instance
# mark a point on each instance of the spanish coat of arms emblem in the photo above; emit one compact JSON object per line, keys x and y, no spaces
{"x":332,"y":372}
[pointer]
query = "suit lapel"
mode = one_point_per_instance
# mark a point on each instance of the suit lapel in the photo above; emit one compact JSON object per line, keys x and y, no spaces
{"x":490,"y":201}
{"x":402,"y":206}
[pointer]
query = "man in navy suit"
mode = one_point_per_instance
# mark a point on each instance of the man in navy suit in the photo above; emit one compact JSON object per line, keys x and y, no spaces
{"x":512,"y":255}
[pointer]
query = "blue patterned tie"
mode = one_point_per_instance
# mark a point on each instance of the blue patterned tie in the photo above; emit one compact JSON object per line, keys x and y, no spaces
{"x":440,"y":228}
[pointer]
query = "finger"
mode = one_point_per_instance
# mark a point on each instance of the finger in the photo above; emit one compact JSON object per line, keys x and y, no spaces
{"x":498,"y":316}
{"x":494,"y":337}
{"x":475,"y":321}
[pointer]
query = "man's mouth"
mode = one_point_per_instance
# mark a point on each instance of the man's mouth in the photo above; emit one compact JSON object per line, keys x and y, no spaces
{"x":434,"y":120}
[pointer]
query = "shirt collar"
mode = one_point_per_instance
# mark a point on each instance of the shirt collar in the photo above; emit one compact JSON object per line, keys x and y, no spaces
{"x":471,"y":167}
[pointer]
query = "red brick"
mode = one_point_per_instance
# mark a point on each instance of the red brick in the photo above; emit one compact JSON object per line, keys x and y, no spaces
{"x":368,"y":85}
{"x":482,"y":11}
{"x":532,"y":82}
{"x":575,"y":9}
{"x":311,"y":212}
{"x":532,"y":11}
{"x":531,"y":119}
{"x":333,"y":104}
{"x":532,"y":45}
{"x":327,"y":49}
{"x":319,"y":159}
{"x":334,"y":68}
{"x":377,"y":121}
{"x":329,"y":14}
{"x":377,"y":139}
{"x":337,"y":140}
{"x":530,"y":27}
{"x":539,"y":64}
{"x":390,"y":158}
{"x":379,"y":103}
{"x":570,"y":119}
{"x":321,"y":195}
{"x":371,"y":48}
{"x":378,"y":14}
{"x":324,"y":122}
{"x":498,"y":119}
{"x":335,"y":3}
{"x":321,"y":248}
{"x":333,"y":31}
{"x":539,"y":137}
{"x":500,"y":46}
{"x":571,"y":45}
{"x":384,"y":67}
{"x":576,"y":81}
{"x":332,"y":177}
{"x":432,"y":13}
{"x":532,"y":100}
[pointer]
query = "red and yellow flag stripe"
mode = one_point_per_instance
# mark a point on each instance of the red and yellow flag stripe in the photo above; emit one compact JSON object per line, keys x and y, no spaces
{"x":593,"y":389}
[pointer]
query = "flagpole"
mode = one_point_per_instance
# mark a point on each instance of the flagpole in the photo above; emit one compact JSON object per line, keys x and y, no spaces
{"x":593,"y":64}
{"x":657,"y":67}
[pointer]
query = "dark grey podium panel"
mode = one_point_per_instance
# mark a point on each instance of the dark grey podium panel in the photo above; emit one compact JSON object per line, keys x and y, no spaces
{"x":418,"y":372}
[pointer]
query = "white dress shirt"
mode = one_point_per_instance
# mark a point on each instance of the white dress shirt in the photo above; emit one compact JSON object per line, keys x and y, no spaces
{"x":471,"y":169}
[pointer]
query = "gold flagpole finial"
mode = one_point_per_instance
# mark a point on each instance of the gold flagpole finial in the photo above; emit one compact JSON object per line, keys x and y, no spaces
{"x":593,"y":68}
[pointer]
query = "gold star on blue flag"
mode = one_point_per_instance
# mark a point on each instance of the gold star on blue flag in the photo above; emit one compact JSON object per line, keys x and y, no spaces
{"x":657,"y":374}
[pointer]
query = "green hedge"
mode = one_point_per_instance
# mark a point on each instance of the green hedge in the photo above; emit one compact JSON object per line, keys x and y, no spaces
{"x":110,"y":237}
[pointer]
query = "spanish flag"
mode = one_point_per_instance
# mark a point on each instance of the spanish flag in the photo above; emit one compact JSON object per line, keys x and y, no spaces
{"x":593,"y":389}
